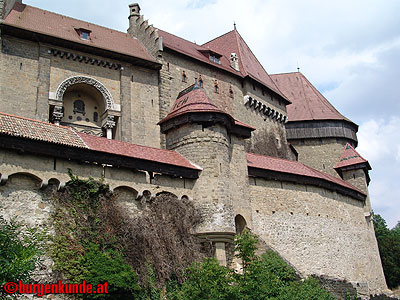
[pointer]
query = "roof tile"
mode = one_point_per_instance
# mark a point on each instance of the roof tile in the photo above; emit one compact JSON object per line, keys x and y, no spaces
{"x":350,"y":157}
{"x":307,"y":102}
{"x":293,"y":167}
{"x":48,"y":23}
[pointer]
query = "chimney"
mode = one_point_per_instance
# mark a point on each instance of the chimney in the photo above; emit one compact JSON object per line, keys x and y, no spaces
{"x":234,"y":61}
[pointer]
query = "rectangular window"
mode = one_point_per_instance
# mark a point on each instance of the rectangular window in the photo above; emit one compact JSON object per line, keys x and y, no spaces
{"x":214,"y":59}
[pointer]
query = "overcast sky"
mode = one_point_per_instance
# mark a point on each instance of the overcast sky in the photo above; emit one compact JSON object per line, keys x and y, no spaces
{"x":350,"y":50}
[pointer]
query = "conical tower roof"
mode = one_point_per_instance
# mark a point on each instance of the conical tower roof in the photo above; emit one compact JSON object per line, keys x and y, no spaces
{"x":192,"y":99}
{"x":350,"y":157}
{"x":307,"y":102}
{"x":193,"y":105}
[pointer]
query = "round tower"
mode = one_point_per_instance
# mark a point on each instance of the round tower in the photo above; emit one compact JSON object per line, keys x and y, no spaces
{"x":202,"y":133}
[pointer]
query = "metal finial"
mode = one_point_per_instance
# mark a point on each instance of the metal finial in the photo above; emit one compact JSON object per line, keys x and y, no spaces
{"x":298,"y":68}
{"x":234,"y":25}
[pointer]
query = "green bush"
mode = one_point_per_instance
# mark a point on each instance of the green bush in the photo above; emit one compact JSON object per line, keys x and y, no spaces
{"x":20,"y":250}
{"x":266,"y":277}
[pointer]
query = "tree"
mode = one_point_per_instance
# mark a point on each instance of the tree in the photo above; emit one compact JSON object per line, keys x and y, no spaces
{"x":389,"y":250}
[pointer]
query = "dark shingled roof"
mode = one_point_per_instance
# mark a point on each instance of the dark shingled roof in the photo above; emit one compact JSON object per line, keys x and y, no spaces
{"x":293,"y":167}
{"x":51,"y":24}
{"x":307,"y":102}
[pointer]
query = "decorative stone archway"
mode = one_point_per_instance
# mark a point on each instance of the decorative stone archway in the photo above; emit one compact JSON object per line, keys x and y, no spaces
{"x":108,"y":100}
{"x":108,"y":121}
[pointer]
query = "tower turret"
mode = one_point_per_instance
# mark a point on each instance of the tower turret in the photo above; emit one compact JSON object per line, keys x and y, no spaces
{"x":203,"y":133}
{"x":353,"y":168}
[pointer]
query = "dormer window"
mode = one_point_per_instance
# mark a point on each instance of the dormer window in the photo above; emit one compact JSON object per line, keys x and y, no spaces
{"x":214,"y":59}
{"x":84,"y":34}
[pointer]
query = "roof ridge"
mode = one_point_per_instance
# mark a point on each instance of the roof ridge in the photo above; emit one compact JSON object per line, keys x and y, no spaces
{"x":322,"y":97}
{"x":181,"y":38}
{"x":285,"y":73}
{"x":217,"y":37}
{"x":72,"y":18}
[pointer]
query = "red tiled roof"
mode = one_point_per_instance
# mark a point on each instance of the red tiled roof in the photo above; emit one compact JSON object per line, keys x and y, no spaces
{"x":140,"y":152}
{"x":232,"y":42}
{"x":293,"y":167}
{"x":224,"y":45}
{"x":48,"y":23}
{"x":46,"y":132}
{"x":195,"y":100}
{"x":36,"y":130}
{"x":350,"y":157}
{"x":239,"y":123}
{"x":307,"y":102}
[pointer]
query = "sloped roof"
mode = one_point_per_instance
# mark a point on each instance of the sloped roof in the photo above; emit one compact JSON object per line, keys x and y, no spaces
{"x":350,"y":157}
{"x":232,"y":42}
{"x":55,"y":25}
{"x":224,"y":45}
{"x":294,"y":167}
{"x":16,"y":126}
{"x":307,"y":102}
{"x":194,"y":99}
{"x":41,"y":131}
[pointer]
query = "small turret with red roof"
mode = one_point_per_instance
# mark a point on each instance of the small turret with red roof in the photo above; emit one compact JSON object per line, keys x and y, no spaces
{"x":353,"y":168}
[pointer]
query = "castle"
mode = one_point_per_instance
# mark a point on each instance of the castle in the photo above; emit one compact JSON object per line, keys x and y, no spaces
{"x":151,"y":113}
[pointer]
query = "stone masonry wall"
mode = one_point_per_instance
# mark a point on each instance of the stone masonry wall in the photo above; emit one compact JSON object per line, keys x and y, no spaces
{"x":30,"y":75}
{"x":208,"y":147}
{"x":269,"y":138}
{"x":321,"y":154}
{"x":31,"y":180}
{"x":319,"y":232}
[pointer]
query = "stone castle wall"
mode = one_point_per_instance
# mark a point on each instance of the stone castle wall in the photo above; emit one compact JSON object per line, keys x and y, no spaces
{"x":318,"y":231}
{"x":269,"y":138}
{"x":31,"y":76}
{"x":321,"y":154}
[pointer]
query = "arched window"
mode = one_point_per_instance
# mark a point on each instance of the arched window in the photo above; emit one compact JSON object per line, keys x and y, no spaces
{"x":79,"y":107}
{"x":184,"y":77}
{"x":95,"y":116}
{"x":230,"y":92}
{"x":240,"y":224}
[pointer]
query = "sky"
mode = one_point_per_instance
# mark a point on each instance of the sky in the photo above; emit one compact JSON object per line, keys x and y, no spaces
{"x":350,"y":50}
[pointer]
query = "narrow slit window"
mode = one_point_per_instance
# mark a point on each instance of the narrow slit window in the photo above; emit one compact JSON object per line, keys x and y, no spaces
{"x":184,"y":77}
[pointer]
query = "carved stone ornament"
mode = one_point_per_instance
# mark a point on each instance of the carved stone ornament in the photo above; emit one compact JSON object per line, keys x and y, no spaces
{"x":58,"y":113}
{"x":108,"y":100}
{"x":108,"y":122}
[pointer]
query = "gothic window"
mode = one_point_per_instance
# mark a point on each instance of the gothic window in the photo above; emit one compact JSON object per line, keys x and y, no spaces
{"x":216,"y":87}
{"x":184,"y":77}
{"x":79,"y":107}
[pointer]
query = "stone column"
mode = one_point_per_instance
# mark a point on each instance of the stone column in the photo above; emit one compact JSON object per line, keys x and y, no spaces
{"x":57,"y":114}
{"x":108,"y":125}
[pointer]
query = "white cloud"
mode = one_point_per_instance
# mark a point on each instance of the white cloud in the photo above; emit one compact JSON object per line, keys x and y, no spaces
{"x":379,"y":142}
